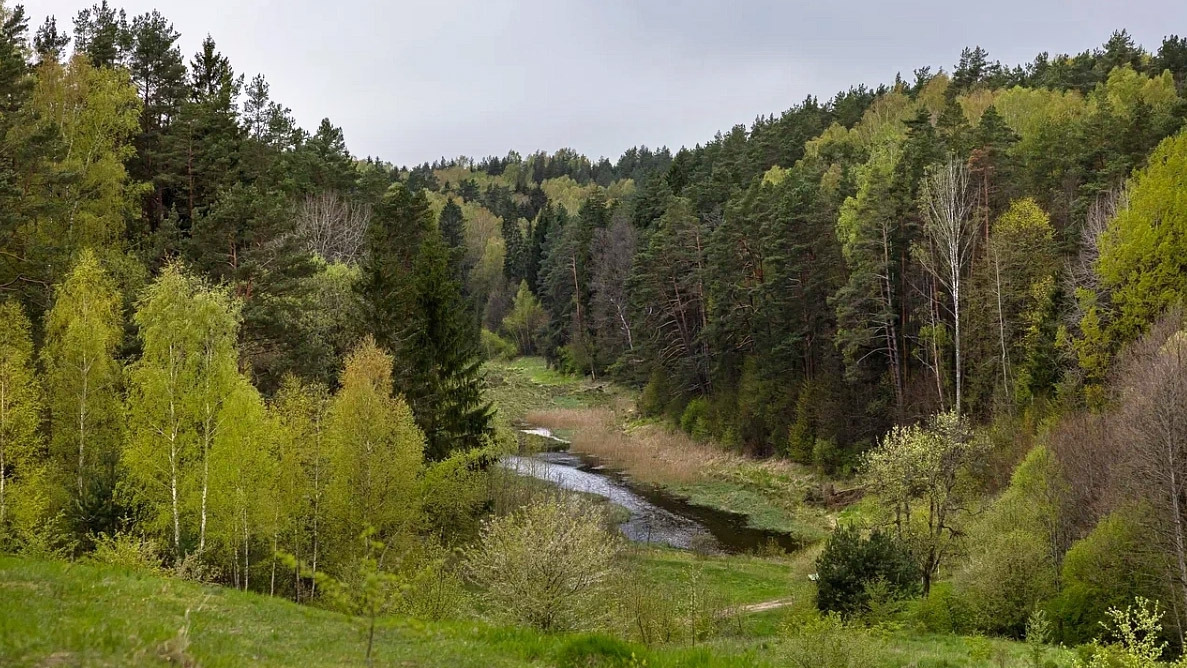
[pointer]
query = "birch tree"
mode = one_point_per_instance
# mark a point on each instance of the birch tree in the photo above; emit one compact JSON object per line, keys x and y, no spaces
{"x":20,"y":404}
{"x":244,"y":508}
{"x":376,"y":452}
{"x":950,"y":231}
{"x":176,"y":389}
{"x":302,"y":474}
{"x":83,"y":329}
{"x":214,"y":316}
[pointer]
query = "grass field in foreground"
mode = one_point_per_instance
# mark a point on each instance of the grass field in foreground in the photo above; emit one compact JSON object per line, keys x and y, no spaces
{"x":60,"y":614}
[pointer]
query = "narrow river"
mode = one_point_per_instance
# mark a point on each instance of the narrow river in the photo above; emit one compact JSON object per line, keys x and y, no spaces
{"x":656,"y":516}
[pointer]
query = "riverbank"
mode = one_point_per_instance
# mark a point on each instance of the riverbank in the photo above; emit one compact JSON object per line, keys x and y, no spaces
{"x":599,"y":420}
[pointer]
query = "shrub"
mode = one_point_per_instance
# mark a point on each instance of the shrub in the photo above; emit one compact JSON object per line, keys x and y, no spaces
{"x":1100,"y":572}
{"x":695,"y":418}
{"x":656,"y":394}
{"x":547,"y":565}
{"x":850,"y":563}
{"x":1011,"y":569}
{"x":943,"y":611}
{"x":824,"y":641}
{"x":495,"y":347}
{"x":127,"y":551}
{"x":647,"y":613}
{"x":1136,"y":632}
{"x":596,"y":651}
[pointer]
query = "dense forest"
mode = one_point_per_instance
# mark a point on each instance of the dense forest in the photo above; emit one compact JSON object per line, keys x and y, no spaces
{"x":961,"y":290}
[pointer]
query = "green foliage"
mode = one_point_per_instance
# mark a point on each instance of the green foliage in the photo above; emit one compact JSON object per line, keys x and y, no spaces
{"x":375,"y":455}
{"x":825,"y":641}
{"x":851,"y":564}
{"x":696,"y":420}
{"x":656,"y":394}
{"x":922,"y":476}
{"x":1012,"y":563}
{"x":943,"y":610}
{"x":1135,"y":633}
{"x":1141,"y":257}
{"x":440,"y":358}
{"x":1102,"y":571}
{"x":22,"y":461}
{"x":83,"y":387}
{"x":187,"y":369}
{"x":495,"y":347}
{"x":548,"y":565}
{"x":526,"y":321}
{"x":127,"y":551}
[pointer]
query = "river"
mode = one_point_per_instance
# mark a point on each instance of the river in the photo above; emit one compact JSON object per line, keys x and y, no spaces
{"x":656,"y":516}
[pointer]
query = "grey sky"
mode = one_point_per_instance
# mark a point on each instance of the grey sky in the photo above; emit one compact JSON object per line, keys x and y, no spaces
{"x":414,"y":81}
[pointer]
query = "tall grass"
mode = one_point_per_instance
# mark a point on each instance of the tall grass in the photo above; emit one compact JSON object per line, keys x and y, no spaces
{"x":652,"y":453}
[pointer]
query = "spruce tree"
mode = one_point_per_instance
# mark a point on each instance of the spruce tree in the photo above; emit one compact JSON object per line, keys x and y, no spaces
{"x":442,"y":358}
{"x":398,"y":224}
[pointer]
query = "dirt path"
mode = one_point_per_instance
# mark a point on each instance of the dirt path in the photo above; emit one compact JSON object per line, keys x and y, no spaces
{"x":760,"y":607}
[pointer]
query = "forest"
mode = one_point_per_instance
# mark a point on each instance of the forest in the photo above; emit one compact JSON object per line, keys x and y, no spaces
{"x":948,"y":308}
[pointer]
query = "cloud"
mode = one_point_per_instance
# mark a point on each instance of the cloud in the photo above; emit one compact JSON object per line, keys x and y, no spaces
{"x":413,"y":81}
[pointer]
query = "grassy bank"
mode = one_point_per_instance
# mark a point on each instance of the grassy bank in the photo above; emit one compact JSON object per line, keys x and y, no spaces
{"x":769,"y":493}
{"x":61,"y":614}
{"x":600,"y":420}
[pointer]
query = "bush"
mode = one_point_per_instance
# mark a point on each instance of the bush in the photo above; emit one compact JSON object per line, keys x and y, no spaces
{"x":695,"y":418}
{"x":943,"y":611}
{"x":1102,"y":571}
{"x":597,"y":651}
{"x":656,"y":394}
{"x":647,"y":613}
{"x":495,"y":347}
{"x":1011,"y":569}
{"x":126,"y":551}
{"x":851,"y":563}
{"x":547,"y":565}
{"x":824,"y":641}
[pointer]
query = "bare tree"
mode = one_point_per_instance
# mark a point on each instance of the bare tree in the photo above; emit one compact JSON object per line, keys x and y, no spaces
{"x":1154,"y":425}
{"x":613,"y":253}
{"x":333,"y":226}
{"x":1080,"y":272}
{"x":951,"y":231}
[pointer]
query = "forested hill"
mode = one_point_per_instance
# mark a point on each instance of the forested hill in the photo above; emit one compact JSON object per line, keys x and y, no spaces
{"x":962,"y":241}
{"x":801,"y":285}
{"x":226,"y":340}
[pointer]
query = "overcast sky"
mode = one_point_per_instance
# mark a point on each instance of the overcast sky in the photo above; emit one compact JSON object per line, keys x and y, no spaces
{"x":414,"y":81}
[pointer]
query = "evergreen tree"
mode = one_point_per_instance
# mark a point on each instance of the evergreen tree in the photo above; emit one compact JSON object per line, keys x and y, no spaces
{"x":398,"y":224}
{"x":159,"y":73}
{"x":49,"y":44}
{"x":101,"y":34}
{"x":440,"y":352}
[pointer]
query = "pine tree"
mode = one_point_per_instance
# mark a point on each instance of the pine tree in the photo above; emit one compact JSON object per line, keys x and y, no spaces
{"x":159,"y":73}
{"x":101,"y":34}
{"x":247,"y":240}
{"x":49,"y":44}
